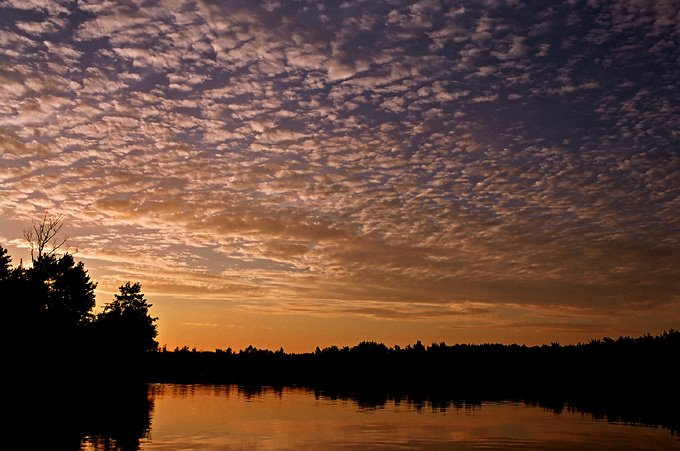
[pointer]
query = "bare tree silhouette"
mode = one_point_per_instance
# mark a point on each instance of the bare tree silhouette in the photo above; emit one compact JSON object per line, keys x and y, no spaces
{"x":43,"y":234}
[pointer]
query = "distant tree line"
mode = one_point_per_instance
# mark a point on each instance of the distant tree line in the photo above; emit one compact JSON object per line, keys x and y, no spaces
{"x":49,"y":309}
{"x":632,"y":365}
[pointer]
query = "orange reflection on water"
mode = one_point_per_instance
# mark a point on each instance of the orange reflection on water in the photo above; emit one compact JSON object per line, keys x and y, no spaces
{"x":229,"y":417}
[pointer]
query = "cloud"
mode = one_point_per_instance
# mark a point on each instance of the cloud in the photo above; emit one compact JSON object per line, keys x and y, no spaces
{"x":52,"y":7}
{"x":394,"y":161}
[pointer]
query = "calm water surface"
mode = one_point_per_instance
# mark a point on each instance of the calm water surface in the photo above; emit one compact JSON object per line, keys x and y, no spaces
{"x":230,"y":417}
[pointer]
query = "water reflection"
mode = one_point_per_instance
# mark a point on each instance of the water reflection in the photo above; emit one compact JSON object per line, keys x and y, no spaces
{"x":171,"y":416}
{"x":97,"y":417}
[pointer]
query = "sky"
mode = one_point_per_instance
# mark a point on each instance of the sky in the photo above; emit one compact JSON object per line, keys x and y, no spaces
{"x":313,"y":173}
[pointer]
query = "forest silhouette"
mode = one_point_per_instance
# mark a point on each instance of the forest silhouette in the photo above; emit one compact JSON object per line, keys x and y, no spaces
{"x":57,"y":336}
{"x":631,"y":368}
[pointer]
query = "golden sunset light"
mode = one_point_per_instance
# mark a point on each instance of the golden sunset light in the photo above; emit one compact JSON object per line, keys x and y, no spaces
{"x":290,"y":174}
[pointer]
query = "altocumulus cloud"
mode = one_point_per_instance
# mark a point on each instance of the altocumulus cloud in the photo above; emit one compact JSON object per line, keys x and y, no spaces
{"x":390,"y":159}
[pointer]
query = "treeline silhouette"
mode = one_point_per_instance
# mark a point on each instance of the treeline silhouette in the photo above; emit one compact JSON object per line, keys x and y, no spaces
{"x":489,"y":367}
{"x":50,"y":318}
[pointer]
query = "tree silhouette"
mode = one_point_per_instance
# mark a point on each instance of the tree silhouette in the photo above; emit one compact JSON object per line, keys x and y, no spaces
{"x":60,"y":291}
{"x":55,"y":292}
{"x":12,"y":283}
{"x":49,"y":307}
{"x":5,"y":264}
{"x":125,"y":322}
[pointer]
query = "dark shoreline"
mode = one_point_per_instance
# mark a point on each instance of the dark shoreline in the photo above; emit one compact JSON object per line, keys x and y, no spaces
{"x":632,"y":381}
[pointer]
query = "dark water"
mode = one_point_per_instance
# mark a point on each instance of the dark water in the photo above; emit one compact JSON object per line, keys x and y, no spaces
{"x":226,"y":417}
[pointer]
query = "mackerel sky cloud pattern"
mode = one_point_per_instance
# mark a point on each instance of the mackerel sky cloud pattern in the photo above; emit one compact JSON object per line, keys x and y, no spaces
{"x":496,"y":164}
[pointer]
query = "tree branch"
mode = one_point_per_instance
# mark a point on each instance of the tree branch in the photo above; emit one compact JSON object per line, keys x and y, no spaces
{"x":43,"y":234}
